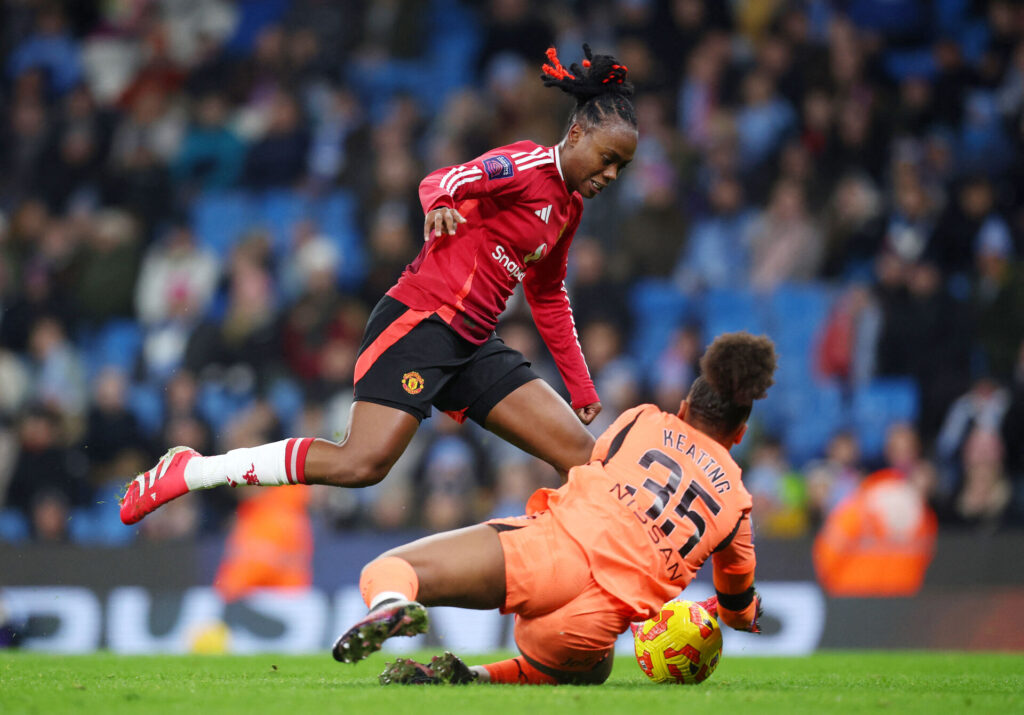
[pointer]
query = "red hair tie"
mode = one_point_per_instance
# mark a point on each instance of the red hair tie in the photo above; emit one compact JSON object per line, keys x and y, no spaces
{"x":555,"y":69}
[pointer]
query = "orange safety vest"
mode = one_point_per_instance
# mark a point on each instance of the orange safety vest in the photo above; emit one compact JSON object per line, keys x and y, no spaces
{"x":270,"y":545}
{"x":878,"y":541}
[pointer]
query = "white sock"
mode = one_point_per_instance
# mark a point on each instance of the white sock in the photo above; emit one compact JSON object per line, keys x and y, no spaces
{"x":259,"y":466}
{"x":387,"y":596}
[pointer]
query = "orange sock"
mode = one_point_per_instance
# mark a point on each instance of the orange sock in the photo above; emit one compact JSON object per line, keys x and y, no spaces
{"x":518,"y":671}
{"x":390,"y":575}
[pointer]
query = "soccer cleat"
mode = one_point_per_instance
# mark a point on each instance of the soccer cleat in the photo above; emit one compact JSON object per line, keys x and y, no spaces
{"x":447,"y":668}
{"x":406,"y":671}
{"x":389,"y":619}
{"x":450,"y":669}
{"x":161,"y":484}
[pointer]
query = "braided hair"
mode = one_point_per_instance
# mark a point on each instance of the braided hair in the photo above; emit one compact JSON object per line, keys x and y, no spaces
{"x":736,"y":369}
{"x":599,"y":87}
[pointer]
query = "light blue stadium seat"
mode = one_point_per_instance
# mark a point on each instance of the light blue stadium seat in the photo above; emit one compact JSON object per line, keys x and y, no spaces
{"x":729,"y":310}
{"x":812,"y":413}
{"x":146,"y":403}
{"x":337,"y":217}
{"x":657,"y":309}
{"x":285,"y":396}
{"x":14,"y":526}
{"x":220,"y":219}
{"x":879,"y":404}
{"x":279,"y":212}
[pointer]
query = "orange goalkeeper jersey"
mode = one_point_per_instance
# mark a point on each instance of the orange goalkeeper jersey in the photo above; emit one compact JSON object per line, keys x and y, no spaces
{"x":656,"y":500}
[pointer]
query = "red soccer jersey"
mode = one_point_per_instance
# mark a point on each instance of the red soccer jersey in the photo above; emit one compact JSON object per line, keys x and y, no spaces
{"x":520,"y":220}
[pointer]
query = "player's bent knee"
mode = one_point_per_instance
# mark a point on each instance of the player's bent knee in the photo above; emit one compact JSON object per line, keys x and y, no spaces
{"x":359,"y":474}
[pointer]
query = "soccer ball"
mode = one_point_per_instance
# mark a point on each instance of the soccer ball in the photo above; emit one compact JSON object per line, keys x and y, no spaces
{"x":682,"y":644}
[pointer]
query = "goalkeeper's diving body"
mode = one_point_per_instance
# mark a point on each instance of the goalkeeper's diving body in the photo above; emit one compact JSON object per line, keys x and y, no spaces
{"x":626,"y":533}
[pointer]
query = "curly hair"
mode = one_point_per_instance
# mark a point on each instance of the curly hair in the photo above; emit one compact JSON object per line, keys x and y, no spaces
{"x":736,"y":369}
{"x":599,"y":87}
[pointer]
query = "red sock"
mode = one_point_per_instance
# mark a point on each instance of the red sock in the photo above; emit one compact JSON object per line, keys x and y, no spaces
{"x":295,"y":459}
{"x":390,"y":574}
{"x":518,"y":671}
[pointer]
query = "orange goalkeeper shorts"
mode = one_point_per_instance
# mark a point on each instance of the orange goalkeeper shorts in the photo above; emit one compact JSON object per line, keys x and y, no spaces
{"x":564,"y":620}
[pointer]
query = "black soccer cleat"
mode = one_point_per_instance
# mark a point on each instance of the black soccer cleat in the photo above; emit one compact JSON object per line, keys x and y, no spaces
{"x":443,"y":669}
{"x":389,"y":619}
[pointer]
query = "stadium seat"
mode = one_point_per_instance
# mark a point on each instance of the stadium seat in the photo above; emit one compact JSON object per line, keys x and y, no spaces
{"x":220,"y":219}
{"x":279,"y":212}
{"x":657,"y":308}
{"x":337,"y":217}
{"x":14,"y":526}
{"x":813,"y":415}
{"x":729,"y":310}
{"x":879,"y":404}
{"x":146,"y":403}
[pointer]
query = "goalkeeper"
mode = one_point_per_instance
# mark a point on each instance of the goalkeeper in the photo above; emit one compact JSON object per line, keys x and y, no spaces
{"x":625,"y":534}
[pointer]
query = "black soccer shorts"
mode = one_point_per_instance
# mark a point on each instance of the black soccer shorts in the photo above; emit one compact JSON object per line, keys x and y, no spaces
{"x":412,"y":360}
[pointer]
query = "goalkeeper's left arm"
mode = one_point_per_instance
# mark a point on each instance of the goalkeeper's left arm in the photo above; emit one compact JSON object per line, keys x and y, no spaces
{"x":737,"y":602}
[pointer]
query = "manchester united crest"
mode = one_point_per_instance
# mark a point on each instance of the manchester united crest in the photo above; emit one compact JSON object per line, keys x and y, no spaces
{"x":412,"y":382}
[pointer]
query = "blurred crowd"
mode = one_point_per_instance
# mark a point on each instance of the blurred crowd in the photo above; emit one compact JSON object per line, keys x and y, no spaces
{"x":866,"y":153}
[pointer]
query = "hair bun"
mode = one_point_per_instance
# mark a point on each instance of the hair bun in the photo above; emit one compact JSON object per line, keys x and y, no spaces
{"x":740,"y":367}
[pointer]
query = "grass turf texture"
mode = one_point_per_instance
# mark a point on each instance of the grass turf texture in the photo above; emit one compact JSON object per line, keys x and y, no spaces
{"x":902,"y":682}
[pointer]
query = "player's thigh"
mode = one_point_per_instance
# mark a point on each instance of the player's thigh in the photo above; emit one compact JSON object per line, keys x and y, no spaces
{"x":464,"y":567}
{"x":536,"y":419}
{"x":576,"y":638}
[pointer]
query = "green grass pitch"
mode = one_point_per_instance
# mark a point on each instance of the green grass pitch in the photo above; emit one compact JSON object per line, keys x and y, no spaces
{"x":898,"y":682}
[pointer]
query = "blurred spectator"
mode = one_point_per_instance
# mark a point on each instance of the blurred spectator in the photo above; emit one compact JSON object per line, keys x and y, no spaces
{"x":175,"y":272}
{"x":106,"y":267}
{"x":785,"y":243}
{"x":778,"y":491}
{"x":997,"y":305}
{"x":717,"y":253}
{"x":675,"y":369}
{"x":48,"y":478}
{"x":849,"y":339}
{"x":211,"y":155}
{"x":512,"y":27}
{"x":924,"y":335}
{"x":969,"y":227}
{"x":278,"y":157}
{"x":834,"y":478}
{"x":144,"y":143}
{"x":241,"y":349}
{"x":452,"y":473}
{"x":113,"y":441}
{"x":853,"y":228}
{"x":57,"y":375}
{"x":983,"y":407}
{"x":321,"y":322}
{"x":50,"y":47}
{"x":879,"y":541}
{"x":763,"y":121}
{"x":984,"y":497}
{"x":597,"y":293}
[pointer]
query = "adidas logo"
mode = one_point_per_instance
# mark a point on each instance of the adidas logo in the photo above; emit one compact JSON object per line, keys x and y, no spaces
{"x":543,"y":213}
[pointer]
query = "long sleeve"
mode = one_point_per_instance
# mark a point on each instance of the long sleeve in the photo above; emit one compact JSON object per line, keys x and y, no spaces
{"x":544,"y":286}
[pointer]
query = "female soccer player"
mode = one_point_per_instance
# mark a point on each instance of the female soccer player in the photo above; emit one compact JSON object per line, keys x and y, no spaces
{"x":625,"y":534}
{"x":504,"y":218}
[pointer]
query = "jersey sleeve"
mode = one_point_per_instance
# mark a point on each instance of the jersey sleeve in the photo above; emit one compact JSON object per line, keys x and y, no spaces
{"x":490,"y":174}
{"x":733,"y":565}
{"x":544,"y":287}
